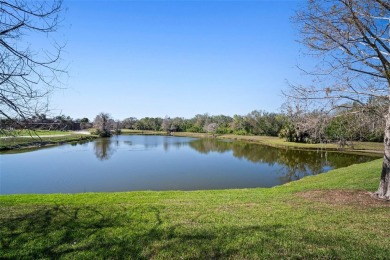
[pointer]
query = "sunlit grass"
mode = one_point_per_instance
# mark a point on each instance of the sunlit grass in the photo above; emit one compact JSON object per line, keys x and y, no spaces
{"x":32,"y":133}
{"x":42,"y":140}
{"x":324,"y":216}
{"x":142,"y":132}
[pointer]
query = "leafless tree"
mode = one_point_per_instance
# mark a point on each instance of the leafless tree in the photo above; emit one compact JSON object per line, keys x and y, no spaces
{"x":103,"y":124}
{"x":306,"y":125}
{"x":166,"y":124}
{"x":118,"y":127}
{"x":29,"y":68}
{"x":211,"y":128}
{"x":351,"y":39}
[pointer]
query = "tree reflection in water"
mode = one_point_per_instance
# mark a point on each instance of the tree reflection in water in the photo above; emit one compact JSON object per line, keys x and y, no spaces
{"x":105,"y":148}
{"x":295,"y":164}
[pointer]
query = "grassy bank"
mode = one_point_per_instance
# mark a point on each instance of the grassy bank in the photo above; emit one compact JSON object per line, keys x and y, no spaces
{"x":370,"y":147}
{"x":42,"y":140}
{"x":143,"y":132}
{"x":32,"y":133}
{"x":324,"y":216}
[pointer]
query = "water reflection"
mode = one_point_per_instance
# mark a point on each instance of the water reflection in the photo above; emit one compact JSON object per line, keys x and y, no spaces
{"x":295,"y":164}
{"x":153,"y":142}
{"x":167,"y":144}
{"x":104,"y":148}
{"x":160,"y":163}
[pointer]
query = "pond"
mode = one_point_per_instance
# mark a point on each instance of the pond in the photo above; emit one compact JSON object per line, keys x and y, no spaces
{"x":136,"y":162}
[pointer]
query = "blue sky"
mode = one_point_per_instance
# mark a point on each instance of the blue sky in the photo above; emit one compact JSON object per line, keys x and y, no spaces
{"x":176,"y":58}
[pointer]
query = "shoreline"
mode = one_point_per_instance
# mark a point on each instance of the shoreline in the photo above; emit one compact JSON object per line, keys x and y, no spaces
{"x":203,"y":223}
{"x":18,"y":144}
{"x":235,"y":221}
{"x":372,"y":148}
{"x":357,"y":147}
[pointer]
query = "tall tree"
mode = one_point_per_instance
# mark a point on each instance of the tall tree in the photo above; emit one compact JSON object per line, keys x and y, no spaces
{"x":103,"y":124}
{"x":129,"y":122}
{"x":352,"y":39}
{"x":166,"y":124}
{"x":29,"y":68}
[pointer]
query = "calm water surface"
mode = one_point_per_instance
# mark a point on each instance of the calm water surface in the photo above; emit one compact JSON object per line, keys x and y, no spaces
{"x":134,"y":162}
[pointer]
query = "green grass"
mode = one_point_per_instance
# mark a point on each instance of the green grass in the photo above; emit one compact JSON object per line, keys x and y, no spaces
{"x":33,"y":133}
{"x":142,"y":132}
{"x":35,"y":141}
{"x":324,"y":216}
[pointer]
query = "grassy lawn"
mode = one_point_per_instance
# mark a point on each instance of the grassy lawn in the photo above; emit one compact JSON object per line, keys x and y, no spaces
{"x":324,"y":216}
{"x":32,"y":133}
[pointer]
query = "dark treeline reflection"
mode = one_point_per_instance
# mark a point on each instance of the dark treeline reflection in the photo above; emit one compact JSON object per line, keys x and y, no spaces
{"x":295,"y":164}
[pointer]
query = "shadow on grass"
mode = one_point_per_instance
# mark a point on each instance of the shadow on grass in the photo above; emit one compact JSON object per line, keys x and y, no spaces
{"x":141,"y":233}
{"x":135,"y":232}
{"x":58,"y":231}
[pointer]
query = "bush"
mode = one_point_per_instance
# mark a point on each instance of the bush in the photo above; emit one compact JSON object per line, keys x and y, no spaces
{"x":195,"y":129}
{"x":240,"y":132}
{"x":224,"y":130}
{"x":102,"y":133}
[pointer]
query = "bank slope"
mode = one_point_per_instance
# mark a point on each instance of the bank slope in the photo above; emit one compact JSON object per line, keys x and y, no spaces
{"x":326,"y":216}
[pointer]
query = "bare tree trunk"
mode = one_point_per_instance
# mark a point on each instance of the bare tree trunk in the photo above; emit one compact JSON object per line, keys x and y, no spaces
{"x":384,"y":185}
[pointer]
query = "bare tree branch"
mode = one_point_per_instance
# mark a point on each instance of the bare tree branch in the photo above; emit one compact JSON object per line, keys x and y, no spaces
{"x":27,"y":74}
{"x":353,"y":39}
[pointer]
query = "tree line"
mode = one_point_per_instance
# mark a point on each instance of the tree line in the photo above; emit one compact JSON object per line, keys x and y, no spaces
{"x":353,"y":122}
{"x":293,"y":124}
